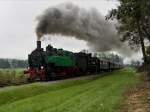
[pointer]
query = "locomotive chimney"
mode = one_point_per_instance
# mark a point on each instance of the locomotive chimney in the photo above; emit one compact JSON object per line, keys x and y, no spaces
{"x":38,"y":44}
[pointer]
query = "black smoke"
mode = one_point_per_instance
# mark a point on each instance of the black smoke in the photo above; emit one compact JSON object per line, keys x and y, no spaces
{"x":88,"y":25}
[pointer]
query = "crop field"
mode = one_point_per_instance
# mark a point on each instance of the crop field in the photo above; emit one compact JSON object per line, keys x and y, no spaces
{"x":11,"y":76}
{"x":102,"y":94}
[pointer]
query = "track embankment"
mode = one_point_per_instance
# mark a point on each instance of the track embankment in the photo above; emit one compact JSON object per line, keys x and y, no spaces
{"x":98,"y":94}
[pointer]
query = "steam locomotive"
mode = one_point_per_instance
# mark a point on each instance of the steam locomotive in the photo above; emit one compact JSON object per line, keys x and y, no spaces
{"x":58,"y":63}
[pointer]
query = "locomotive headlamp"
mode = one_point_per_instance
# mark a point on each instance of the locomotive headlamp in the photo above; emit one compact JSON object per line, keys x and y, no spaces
{"x":42,"y":67}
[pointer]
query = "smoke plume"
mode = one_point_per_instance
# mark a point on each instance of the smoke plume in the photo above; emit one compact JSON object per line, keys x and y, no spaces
{"x":89,"y":25}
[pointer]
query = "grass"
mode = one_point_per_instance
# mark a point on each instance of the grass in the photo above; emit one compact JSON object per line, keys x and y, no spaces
{"x":11,"y":76}
{"x":103,"y":94}
{"x":17,"y":71}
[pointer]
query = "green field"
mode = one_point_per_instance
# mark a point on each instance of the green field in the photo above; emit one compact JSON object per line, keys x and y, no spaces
{"x":17,"y":71}
{"x":12,"y":76}
{"x":103,"y":94}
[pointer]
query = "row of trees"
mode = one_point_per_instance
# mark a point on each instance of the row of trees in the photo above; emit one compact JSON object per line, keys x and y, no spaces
{"x":13,"y":63}
{"x":134,"y":24}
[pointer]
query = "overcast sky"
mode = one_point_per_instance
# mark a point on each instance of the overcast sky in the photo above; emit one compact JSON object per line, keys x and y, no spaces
{"x":18,"y":22}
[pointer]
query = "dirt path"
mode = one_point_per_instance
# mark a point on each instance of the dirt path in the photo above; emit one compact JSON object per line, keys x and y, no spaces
{"x":137,"y":99}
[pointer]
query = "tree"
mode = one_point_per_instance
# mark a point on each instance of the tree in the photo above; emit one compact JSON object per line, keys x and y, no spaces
{"x":13,"y":63}
{"x":133,"y":18}
{"x":146,"y":18}
{"x":148,"y":50}
{"x":4,"y":63}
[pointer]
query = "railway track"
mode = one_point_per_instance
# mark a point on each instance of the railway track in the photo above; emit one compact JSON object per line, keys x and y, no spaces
{"x":12,"y":84}
{"x":53,"y":81}
{"x":73,"y":79}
